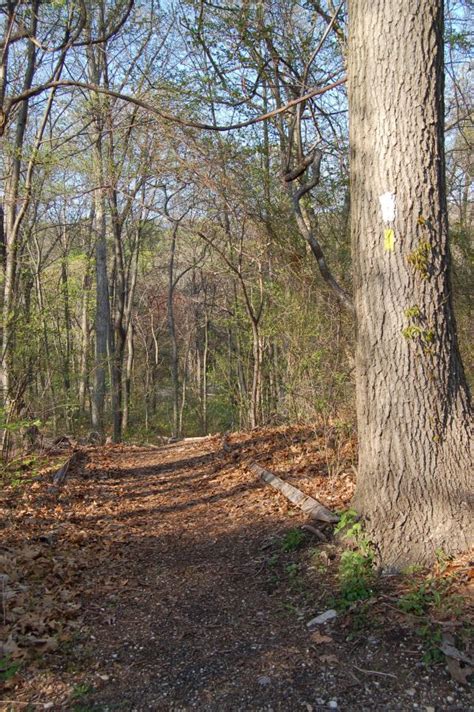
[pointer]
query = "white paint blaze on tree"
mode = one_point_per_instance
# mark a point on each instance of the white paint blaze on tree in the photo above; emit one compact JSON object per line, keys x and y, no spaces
{"x":413,"y":407}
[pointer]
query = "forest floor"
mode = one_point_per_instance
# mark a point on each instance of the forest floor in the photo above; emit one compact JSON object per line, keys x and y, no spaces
{"x":173,"y":579}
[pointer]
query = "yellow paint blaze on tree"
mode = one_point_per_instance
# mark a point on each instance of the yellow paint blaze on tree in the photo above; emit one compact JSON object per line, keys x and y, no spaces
{"x":389,"y":239}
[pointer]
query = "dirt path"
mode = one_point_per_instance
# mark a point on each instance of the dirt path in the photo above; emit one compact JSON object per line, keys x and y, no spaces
{"x":191,"y":603}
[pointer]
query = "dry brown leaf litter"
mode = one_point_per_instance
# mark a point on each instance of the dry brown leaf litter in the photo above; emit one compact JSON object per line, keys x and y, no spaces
{"x":145,"y":584}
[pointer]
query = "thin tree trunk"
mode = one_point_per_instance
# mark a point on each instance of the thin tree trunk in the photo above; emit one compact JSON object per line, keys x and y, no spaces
{"x":204,"y":395}
{"x":120,"y":333}
{"x":255,"y":400}
{"x":102,"y":317}
{"x":67,"y":326}
{"x":11,"y":230}
{"x":85,"y":340}
{"x":172,"y":334}
{"x":103,"y":336}
{"x":127,"y":388}
{"x":148,"y":370}
{"x":49,"y":383}
{"x":184,"y":383}
{"x":131,"y":281}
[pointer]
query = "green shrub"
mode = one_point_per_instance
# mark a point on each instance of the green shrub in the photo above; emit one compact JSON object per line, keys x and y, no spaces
{"x":292,"y":540}
{"x":356,"y":567}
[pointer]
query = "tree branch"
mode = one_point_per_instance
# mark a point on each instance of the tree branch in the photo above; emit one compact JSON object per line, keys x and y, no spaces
{"x":308,"y":234}
{"x":34,"y":91}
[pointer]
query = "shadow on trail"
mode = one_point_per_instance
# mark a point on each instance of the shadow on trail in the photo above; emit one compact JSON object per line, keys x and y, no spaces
{"x":201,"y":622}
{"x":197,"y":626}
{"x":189,"y":598}
{"x":218,"y":455}
{"x":164,"y":509}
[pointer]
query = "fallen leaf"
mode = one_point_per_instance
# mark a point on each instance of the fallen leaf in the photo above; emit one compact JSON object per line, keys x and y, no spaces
{"x":329,"y":659}
{"x":44,"y":644}
{"x":30,"y":553}
{"x":10,"y":648}
{"x":318,"y":638}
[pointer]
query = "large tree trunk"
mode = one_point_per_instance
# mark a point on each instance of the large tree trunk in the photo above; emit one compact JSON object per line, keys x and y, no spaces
{"x":412,"y":399}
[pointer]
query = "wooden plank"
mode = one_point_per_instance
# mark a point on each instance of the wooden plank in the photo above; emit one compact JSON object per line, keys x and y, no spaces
{"x":307,"y":504}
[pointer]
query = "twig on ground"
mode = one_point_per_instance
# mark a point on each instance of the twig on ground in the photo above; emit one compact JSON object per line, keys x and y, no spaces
{"x":19,"y":702}
{"x":313,"y":530}
{"x":374,"y":672}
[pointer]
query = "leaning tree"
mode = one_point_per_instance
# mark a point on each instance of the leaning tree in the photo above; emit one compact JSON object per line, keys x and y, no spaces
{"x":413,"y":405}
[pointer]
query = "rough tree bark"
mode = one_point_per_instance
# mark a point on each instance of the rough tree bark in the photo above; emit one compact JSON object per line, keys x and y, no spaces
{"x":412,"y":400}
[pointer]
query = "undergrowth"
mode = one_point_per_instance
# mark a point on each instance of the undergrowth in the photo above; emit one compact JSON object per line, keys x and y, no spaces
{"x":8,"y":668}
{"x":356,"y":573}
{"x":431,"y":594}
{"x":21,"y":471}
{"x":428,"y":601}
{"x":292,"y":540}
